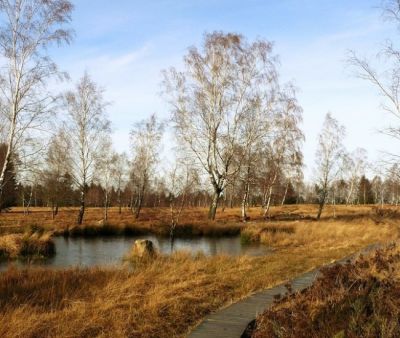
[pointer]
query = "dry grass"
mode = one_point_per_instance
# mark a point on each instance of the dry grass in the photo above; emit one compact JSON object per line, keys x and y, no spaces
{"x":162,"y":298}
{"x":360,"y":300}
{"x":152,"y":220}
{"x":194,"y":221}
{"x":167,"y":296}
{"x":26,"y":245}
{"x":320,"y":235}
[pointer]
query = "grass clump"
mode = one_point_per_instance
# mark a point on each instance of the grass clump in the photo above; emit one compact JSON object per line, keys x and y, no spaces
{"x":26,"y":245}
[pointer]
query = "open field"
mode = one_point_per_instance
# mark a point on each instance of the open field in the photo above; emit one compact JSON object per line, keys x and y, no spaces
{"x":167,"y":296}
{"x":152,"y":220}
{"x":193,"y":220}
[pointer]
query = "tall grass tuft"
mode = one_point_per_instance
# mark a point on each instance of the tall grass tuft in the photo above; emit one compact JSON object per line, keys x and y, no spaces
{"x":27,"y":245}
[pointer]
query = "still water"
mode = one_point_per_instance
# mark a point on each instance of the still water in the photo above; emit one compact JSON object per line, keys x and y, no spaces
{"x":107,"y":251}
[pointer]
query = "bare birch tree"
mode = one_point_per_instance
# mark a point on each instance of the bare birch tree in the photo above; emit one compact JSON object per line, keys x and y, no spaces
{"x":121,"y":172}
{"x":145,"y":141}
{"x":386,"y":81}
{"x":56,"y":169}
{"x":211,"y":97}
{"x":282,"y":154}
{"x":180,"y":182}
{"x":329,"y":154}
{"x":85,"y":128}
{"x":28,"y":28}
{"x":355,"y":164}
{"x":106,"y":172}
{"x":256,"y":126}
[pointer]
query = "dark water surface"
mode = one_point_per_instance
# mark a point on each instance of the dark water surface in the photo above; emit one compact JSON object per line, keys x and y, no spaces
{"x":106,"y":251}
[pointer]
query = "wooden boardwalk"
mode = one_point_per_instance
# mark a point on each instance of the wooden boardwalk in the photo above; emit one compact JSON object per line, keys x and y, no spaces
{"x":232,"y":321}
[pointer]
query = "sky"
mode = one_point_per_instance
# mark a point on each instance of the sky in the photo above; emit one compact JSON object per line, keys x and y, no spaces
{"x":125,"y":44}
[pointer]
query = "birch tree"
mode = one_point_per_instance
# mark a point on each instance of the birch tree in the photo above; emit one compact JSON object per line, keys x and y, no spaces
{"x":180,"y":182}
{"x":282,"y":154}
{"x":54,"y":176}
{"x":211,"y":97}
{"x":355,"y":164}
{"x":387,"y":79}
{"x":85,"y":128}
{"x":145,"y":141}
{"x":329,"y":154}
{"x":106,"y":172}
{"x":28,"y":28}
{"x":9,"y":191}
{"x":256,"y":126}
{"x":121,"y":173}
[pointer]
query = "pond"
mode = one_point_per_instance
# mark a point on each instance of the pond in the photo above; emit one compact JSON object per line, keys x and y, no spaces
{"x":106,"y":251}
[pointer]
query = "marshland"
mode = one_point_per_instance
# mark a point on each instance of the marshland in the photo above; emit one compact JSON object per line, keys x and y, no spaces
{"x":163,"y":161}
{"x":169,"y":294}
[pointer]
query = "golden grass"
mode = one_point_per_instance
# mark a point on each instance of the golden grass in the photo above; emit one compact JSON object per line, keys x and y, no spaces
{"x":157,"y":220}
{"x":152,"y":220}
{"x":167,"y":296}
{"x":29,"y":244}
{"x":323,"y":235}
{"x":162,"y":298}
{"x":10,"y":245}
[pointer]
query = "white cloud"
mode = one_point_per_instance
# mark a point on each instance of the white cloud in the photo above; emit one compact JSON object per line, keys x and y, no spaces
{"x":132,"y":85}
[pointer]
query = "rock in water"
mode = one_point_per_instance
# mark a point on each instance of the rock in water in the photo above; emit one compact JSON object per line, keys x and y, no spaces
{"x":143,"y":248}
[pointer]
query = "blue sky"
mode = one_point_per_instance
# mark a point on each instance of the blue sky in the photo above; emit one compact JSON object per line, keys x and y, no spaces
{"x":125,"y":44}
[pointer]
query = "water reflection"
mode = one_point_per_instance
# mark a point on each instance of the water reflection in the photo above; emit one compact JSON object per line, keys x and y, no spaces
{"x":110,"y":250}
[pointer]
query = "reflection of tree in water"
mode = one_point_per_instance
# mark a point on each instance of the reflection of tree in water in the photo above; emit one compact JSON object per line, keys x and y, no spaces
{"x":172,"y":241}
{"x":213,"y":247}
